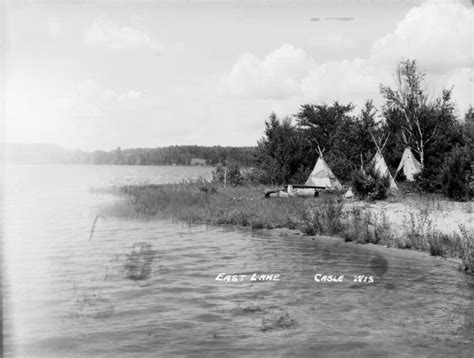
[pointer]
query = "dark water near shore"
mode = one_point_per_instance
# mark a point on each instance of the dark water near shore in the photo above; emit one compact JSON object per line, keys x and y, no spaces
{"x":148,"y":288}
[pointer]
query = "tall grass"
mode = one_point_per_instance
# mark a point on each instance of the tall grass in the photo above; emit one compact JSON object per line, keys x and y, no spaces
{"x":201,"y":202}
{"x":233,"y":205}
{"x":417,"y":232}
{"x":323,"y":216}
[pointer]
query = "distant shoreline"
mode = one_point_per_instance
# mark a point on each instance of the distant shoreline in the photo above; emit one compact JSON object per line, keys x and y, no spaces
{"x":113,"y":165}
{"x":171,"y":155}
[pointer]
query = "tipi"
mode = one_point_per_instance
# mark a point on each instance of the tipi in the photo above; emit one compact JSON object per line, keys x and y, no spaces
{"x":322,"y":175}
{"x":380,"y":165}
{"x":382,"y":168}
{"x":409,"y":165}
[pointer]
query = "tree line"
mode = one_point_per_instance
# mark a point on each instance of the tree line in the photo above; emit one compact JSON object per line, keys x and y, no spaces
{"x":177,"y":155}
{"x":440,"y":139}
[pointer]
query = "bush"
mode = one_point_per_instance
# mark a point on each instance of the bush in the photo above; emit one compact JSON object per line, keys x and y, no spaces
{"x":370,"y":185}
{"x":301,"y":175}
{"x":428,"y":180}
{"x":234,"y":176}
{"x":341,"y":166}
{"x":218,"y":175}
{"x":456,"y":175}
{"x":252,"y":176}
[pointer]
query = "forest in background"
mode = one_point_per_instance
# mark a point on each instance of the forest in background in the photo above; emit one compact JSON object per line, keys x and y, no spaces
{"x":173,"y":155}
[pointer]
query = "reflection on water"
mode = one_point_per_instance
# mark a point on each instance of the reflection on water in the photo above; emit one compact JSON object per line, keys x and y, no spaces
{"x":148,"y":288}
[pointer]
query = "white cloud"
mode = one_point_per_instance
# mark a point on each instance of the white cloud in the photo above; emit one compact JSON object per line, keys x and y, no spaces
{"x":346,"y":81}
{"x":463,"y":81}
{"x":278,"y":75}
{"x":54,"y":28}
{"x":107,"y":33}
{"x":438,"y":34}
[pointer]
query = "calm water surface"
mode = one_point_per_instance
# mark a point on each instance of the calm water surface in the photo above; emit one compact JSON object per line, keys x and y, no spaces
{"x":66,"y":295}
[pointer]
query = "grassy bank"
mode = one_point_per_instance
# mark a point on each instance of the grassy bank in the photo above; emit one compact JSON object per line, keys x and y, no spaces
{"x":411,"y":227}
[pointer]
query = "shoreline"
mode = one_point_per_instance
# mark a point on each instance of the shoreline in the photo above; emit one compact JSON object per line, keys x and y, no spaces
{"x":401,"y":222}
{"x":383,"y":249}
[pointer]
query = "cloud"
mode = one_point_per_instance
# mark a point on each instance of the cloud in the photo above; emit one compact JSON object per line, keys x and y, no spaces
{"x":463,"y":82}
{"x":54,"y":28}
{"x":438,"y":34}
{"x":109,"y":34}
{"x":288,"y":72}
{"x":348,"y":80}
{"x":278,"y":75}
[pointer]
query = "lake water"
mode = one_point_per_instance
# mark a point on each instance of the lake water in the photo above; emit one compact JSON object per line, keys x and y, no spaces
{"x":65,"y":294}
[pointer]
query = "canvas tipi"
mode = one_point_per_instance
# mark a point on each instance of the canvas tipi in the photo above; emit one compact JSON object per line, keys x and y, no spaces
{"x":409,"y":165}
{"x":323,"y":176}
{"x":381,"y":166}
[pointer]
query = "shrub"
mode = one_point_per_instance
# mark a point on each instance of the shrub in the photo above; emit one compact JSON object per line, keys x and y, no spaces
{"x":301,"y":175}
{"x":370,"y":185}
{"x":218,"y":175}
{"x":340,"y":165}
{"x":456,"y":175}
{"x":234,"y":176}
{"x":252,"y":176}
{"x":428,"y":180}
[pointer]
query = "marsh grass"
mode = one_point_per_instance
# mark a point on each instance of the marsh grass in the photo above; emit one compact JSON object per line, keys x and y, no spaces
{"x":201,"y":202}
{"x":417,"y":232}
{"x":357,"y":226}
{"x":241,"y":206}
{"x":323,"y":216}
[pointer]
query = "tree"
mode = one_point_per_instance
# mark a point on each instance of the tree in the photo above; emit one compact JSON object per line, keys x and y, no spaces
{"x":322,"y":122}
{"x":468,"y":129}
{"x":330,"y":129}
{"x":365,"y":127}
{"x":456,"y":175}
{"x":282,"y":154}
{"x":409,"y":105}
{"x":369,"y":184}
{"x":218,"y":175}
{"x":118,"y":156}
{"x":235,"y":176}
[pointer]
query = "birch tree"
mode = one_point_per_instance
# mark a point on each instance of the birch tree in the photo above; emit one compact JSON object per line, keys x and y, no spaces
{"x":415,"y":120}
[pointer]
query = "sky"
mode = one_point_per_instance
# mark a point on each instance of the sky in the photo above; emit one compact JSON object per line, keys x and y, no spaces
{"x":90,"y":75}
